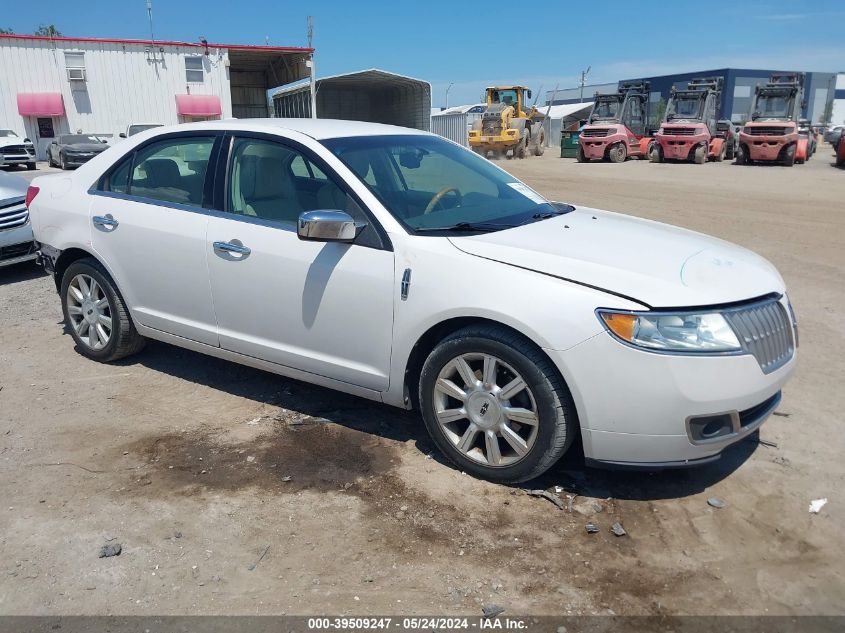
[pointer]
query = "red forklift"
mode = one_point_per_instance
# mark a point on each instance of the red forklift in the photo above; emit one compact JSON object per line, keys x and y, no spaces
{"x":772,"y":134}
{"x":690,"y":130}
{"x":618,"y":125}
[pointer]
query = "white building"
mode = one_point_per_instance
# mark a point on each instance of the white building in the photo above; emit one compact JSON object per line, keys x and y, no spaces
{"x":838,"y":113}
{"x":58,"y":85}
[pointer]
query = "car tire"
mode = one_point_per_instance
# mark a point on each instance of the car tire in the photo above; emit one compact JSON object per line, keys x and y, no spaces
{"x":788,"y":159}
{"x":30,"y":166}
{"x":699,"y":155}
{"x":618,"y":153}
{"x":526,"y":448}
{"x":655,"y":153}
{"x":62,"y":164}
{"x":102,"y":299}
{"x":579,"y":154}
{"x":742,"y":156}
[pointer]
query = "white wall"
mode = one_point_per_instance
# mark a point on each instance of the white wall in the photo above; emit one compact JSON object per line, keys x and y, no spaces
{"x":838,"y":116}
{"x":122,"y":85}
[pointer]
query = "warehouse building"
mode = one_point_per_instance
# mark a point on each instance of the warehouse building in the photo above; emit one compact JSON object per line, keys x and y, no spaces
{"x":60,"y":85}
{"x":838,"y":107}
{"x":370,"y":95}
{"x":578,"y":94}
{"x":738,"y":91}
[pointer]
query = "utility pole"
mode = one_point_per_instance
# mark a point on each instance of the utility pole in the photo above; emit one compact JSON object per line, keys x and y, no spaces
{"x":150,"y":14}
{"x":447,"y":94}
{"x":584,"y":74}
{"x":311,"y":66}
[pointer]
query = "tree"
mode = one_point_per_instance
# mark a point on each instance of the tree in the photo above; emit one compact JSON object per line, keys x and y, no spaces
{"x":7,"y":31}
{"x":48,"y":30}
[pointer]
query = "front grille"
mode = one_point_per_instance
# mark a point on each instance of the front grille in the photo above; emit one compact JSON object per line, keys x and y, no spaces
{"x":680,"y":131}
{"x":766,"y":131}
{"x":16,"y":250}
{"x":13,"y":215}
{"x":491,"y":125}
{"x":595,"y":132}
{"x":14,"y":150}
{"x":764,"y":332}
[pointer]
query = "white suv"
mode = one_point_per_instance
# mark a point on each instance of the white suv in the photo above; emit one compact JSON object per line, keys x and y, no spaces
{"x":398,"y":266}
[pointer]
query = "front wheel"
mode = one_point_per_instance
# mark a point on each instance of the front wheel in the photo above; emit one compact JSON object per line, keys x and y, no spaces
{"x":700,"y":155}
{"x":579,"y":154}
{"x":95,"y":313}
{"x":495,"y":405}
{"x":31,"y":166}
{"x":618,"y":153}
{"x":655,"y":153}
{"x":789,"y":155}
{"x":742,"y":155}
{"x":62,"y":164}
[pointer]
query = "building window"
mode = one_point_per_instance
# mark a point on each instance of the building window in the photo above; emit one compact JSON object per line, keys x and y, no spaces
{"x":75,"y":66}
{"x":194,"y":72}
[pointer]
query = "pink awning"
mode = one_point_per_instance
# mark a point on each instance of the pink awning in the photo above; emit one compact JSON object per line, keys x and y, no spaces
{"x":40,"y":104}
{"x":198,"y":105}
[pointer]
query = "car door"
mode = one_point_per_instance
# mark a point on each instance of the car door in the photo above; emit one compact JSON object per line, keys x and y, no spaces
{"x":321,"y":307}
{"x":149,"y":228}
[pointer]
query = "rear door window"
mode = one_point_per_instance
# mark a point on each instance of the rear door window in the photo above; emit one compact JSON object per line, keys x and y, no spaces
{"x":172,"y":170}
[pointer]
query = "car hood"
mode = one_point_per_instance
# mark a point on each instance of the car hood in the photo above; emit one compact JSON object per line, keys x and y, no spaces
{"x":85,"y":147}
{"x":6,"y":141}
{"x":655,"y":264}
{"x":12,"y":188}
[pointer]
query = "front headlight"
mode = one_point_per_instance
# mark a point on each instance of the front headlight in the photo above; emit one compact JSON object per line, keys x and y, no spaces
{"x":672,"y":332}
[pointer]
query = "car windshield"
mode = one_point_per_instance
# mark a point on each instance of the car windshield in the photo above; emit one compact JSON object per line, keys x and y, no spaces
{"x":683,"y":108}
{"x":134,"y":129}
{"x":7,"y":134}
{"x":72,"y":139}
{"x":430,"y":184}
{"x":771,"y":106}
{"x":606,"y":109}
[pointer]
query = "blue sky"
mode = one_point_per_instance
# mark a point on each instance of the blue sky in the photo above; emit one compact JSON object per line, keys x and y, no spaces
{"x":461,"y":42}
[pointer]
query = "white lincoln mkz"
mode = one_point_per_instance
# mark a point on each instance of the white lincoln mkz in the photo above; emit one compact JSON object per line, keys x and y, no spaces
{"x":395,"y":265}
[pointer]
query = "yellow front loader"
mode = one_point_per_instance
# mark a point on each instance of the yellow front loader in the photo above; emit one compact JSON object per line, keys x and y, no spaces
{"x":508,"y":125}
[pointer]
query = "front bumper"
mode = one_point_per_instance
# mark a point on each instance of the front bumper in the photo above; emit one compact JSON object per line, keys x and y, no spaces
{"x":595,"y":147}
{"x":765,"y":148}
{"x":16,"y":159}
{"x":679,"y":147}
{"x":16,"y":245}
{"x":635,"y":406}
{"x":76,"y":161}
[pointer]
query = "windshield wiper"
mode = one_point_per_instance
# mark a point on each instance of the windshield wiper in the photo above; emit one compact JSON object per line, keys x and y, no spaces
{"x":466,"y":226}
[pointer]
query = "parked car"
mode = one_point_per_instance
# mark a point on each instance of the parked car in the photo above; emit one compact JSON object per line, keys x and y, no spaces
{"x":134,"y":128}
{"x":16,"y":243}
{"x":15,"y":150}
{"x":840,"y":155}
{"x":833,"y":134}
{"x":73,"y":150}
{"x":393,"y":264}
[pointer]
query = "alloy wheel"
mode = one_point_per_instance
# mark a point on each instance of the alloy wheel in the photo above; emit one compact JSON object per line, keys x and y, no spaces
{"x":89,"y":311}
{"x":486,"y":409}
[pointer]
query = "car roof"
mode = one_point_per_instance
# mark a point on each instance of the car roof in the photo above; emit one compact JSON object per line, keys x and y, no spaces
{"x":315,"y":128}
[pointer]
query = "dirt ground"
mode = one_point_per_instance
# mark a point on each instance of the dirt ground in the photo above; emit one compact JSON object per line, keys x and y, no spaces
{"x":233,"y":491}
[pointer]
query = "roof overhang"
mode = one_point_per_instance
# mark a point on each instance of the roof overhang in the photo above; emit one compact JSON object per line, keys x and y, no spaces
{"x":40,"y":104}
{"x":198,"y":105}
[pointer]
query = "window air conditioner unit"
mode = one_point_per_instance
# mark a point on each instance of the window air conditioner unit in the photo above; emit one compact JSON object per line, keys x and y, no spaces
{"x":76,"y":74}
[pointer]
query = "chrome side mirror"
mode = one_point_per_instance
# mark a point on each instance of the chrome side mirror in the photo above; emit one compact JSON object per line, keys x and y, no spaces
{"x":327,"y":226}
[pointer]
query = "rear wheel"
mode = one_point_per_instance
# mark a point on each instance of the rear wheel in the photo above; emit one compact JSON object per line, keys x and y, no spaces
{"x":520,"y":150}
{"x":95,"y":313}
{"x":618,"y":153}
{"x":730,"y":152}
{"x":700,"y":155}
{"x":495,"y":405}
{"x":540,"y":145}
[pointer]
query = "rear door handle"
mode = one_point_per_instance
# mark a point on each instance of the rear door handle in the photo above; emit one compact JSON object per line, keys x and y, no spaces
{"x":105,"y":221}
{"x":232,"y":247}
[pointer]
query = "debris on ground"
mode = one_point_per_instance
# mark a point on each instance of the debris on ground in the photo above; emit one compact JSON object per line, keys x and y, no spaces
{"x":617,"y":529}
{"x":547,"y":495}
{"x":107,"y":551}
{"x":492,"y":611}
{"x":260,"y":558}
{"x":287,"y":478}
{"x":591,"y":528}
{"x":177,"y":535}
{"x":716,"y":502}
{"x":767,"y":443}
{"x":817,"y":504}
{"x":781,"y":414}
{"x":587,"y":507}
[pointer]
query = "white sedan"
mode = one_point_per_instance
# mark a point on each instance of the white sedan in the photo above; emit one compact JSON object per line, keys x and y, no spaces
{"x":395,"y":265}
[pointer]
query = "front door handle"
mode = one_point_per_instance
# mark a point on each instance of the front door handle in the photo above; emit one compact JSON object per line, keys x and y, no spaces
{"x":106,"y":221}
{"x":232,"y":247}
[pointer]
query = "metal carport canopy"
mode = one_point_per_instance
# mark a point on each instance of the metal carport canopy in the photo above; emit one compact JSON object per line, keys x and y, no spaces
{"x":369,"y":95}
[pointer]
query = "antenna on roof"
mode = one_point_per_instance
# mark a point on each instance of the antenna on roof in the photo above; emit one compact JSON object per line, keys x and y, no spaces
{"x":150,"y":15}
{"x":310,"y":64}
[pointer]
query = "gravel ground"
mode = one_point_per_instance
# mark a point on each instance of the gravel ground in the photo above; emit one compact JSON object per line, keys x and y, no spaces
{"x":233,"y":491}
